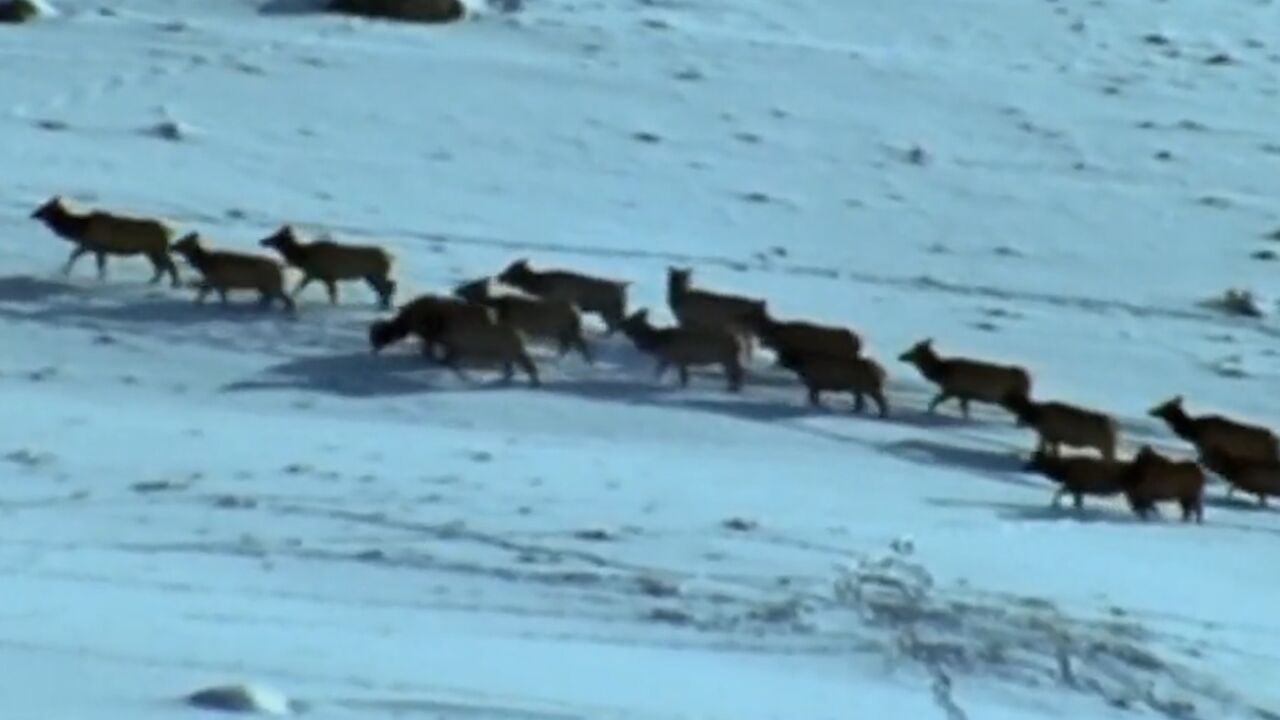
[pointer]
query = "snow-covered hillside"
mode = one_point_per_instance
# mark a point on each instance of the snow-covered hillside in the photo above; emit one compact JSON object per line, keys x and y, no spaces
{"x":192,"y":496}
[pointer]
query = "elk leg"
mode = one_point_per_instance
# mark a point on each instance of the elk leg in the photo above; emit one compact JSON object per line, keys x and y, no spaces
{"x":660,"y":369}
{"x":78,"y":252}
{"x":172,"y":267}
{"x":429,"y":350}
{"x":384,"y":288}
{"x":157,"y":267}
{"x":735,"y":378}
{"x":450,"y":360}
{"x":529,"y":369}
{"x":580,"y":343}
{"x":938,"y":399}
{"x":613,"y":316}
{"x":881,"y":403}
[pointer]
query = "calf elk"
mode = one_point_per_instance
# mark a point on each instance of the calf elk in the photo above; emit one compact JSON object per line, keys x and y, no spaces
{"x":1152,"y":477}
{"x":966,"y":380}
{"x":859,"y":376}
{"x":538,"y":318}
{"x":604,"y":297}
{"x":225,"y":270}
{"x":735,"y":314}
{"x":686,"y":347}
{"x":806,"y":337}
{"x":1059,"y":423}
{"x":1260,"y":477}
{"x":330,"y":262}
{"x":1079,"y":476}
{"x":485,"y":343}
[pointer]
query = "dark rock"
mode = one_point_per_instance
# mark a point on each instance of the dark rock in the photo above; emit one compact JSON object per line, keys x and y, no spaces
{"x":14,"y":12}
{"x":421,"y":11}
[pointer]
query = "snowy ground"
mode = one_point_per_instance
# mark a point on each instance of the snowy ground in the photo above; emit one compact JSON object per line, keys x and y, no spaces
{"x":194,"y":496}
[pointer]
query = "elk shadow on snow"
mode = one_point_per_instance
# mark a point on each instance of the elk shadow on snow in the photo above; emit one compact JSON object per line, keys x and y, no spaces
{"x":1000,"y":466}
{"x":647,"y":391}
{"x":1095,"y":510}
{"x":1113,"y":511}
{"x":293,"y":7}
{"x":57,"y":302}
{"x":631,"y":378}
{"x":32,"y":289}
{"x":358,"y":374}
{"x":134,"y":305}
{"x":627,"y":376}
{"x":178,"y":312}
{"x":706,"y":393}
{"x":623,"y":374}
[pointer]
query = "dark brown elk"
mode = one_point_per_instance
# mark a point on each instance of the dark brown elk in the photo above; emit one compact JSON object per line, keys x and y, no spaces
{"x":224,"y":270}
{"x":860,"y":376}
{"x":426,"y":316}
{"x":686,"y":347}
{"x":601,"y":296}
{"x":537,"y":318}
{"x":332,"y":262}
{"x":1079,"y":476}
{"x":1259,"y":477}
{"x":1152,"y":477}
{"x":807,"y":337}
{"x":104,"y":234}
{"x":966,"y":380}
{"x":735,"y":314}
{"x":1210,"y":432}
{"x":1060,"y":423}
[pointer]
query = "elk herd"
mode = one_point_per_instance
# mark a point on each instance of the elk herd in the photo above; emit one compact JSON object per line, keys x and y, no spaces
{"x":490,"y":321}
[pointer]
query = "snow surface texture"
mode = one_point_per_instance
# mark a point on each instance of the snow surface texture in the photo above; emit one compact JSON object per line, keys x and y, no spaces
{"x":196,"y":497}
